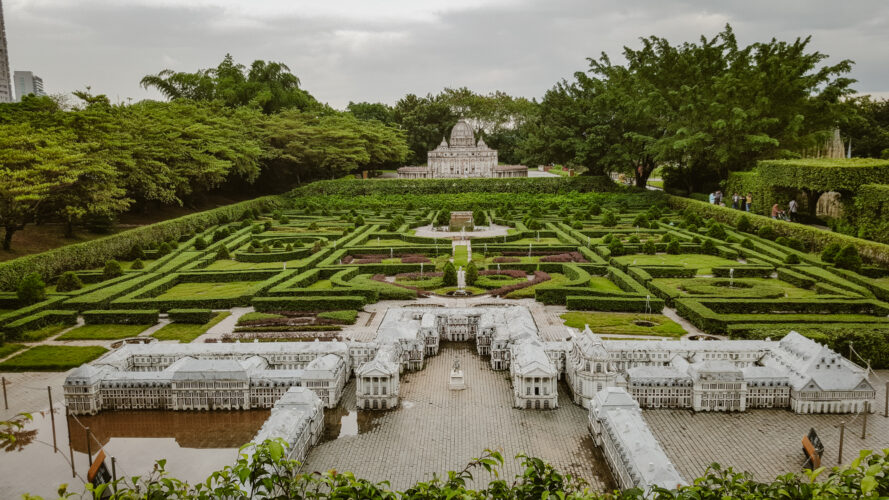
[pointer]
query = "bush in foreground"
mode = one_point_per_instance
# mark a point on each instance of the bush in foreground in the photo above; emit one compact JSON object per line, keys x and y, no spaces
{"x":32,"y":289}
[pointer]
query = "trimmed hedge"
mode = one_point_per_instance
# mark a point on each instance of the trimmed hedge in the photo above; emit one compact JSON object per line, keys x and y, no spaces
{"x":193,"y":316}
{"x":744,"y":271}
{"x":49,"y":317}
{"x":448,"y":186}
{"x":121,"y":317}
{"x":311,"y":303}
{"x":613,"y":304}
{"x":824,"y":174}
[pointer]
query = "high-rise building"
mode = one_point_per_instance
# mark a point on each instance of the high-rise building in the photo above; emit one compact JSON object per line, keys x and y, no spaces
{"x":27,"y":83}
{"x":5,"y":84}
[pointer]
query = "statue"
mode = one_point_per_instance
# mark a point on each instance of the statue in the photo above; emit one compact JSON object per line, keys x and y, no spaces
{"x":456,"y":365}
{"x":457,"y":382}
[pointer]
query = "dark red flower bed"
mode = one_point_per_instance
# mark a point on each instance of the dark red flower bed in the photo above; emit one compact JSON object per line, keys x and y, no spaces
{"x":564,"y":257}
{"x":501,"y":260}
{"x":513,"y":273}
{"x":539,"y":277}
{"x":418,"y":276}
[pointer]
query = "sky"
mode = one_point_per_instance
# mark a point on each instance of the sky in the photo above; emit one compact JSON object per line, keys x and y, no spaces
{"x":380,"y":50}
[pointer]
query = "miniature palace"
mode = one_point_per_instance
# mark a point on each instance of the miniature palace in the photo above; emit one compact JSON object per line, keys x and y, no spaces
{"x":614,"y":379}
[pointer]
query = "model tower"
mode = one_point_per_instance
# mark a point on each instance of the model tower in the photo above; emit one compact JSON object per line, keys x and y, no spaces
{"x":5,"y":84}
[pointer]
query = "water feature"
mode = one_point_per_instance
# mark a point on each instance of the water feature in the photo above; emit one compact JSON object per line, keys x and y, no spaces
{"x":391,"y":254}
{"x":529,"y":249}
{"x":486,"y":249}
{"x":731,"y":277}
{"x":498,"y":267}
{"x":421,"y":269}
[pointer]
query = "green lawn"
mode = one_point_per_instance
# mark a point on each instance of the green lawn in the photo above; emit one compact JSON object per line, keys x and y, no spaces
{"x":604,"y":284}
{"x":43,"y":333}
{"x":253,"y":316}
{"x":185,"y":332}
{"x":7,"y":349}
{"x":104,"y":332}
{"x":750,"y":291}
{"x":535,"y":241}
{"x":373,"y":242}
{"x":496,"y":281}
{"x":423,"y":284}
{"x":461,"y":255}
{"x":226,"y":290}
{"x":321,"y":285}
{"x":233,"y":265}
{"x":557,"y":279}
{"x":51,"y":358}
{"x":603,"y":323}
{"x":703,"y":263}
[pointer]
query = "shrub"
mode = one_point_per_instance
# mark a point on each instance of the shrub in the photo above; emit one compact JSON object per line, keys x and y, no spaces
{"x":359,"y":221}
{"x":595,"y":208}
{"x":607,"y":239}
{"x":848,"y":258}
{"x":193,"y":316}
{"x":32,"y":289}
{"x":634,"y":239}
{"x":256,"y":229}
{"x":616,"y":247}
{"x":284,"y":219}
{"x":112,"y":270}
{"x":709,"y":248}
{"x":219,"y":235}
{"x":68,"y":282}
{"x":577,"y":225}
{"x":766,"y":232}
{"x":289,"y":247}
{"x":266,"y":249}
{"x":200,"y":243}
{"x":316,"y":247}
{"x":744,"y":224}
{"x":267,"y":226}
{"x":164,"y":249}
{"x":649,"y":247}
{"x":716,"y":231}
{"x":137,"y":264}
{"x":222,"y":253}
{"x":747,"y":243}
{"x":609,"y":219}
{"x":667,"y":237}
{"x":137,"y":252}
{"x":696,"y":239}
{"x":641,"y":221}
{"x":471,"y":273}
{"x":121,"y":317}
{"x":830,"y":252}
{"x":449,"y":278}
{"x":673,"y":248}
{"x":791,"y":258}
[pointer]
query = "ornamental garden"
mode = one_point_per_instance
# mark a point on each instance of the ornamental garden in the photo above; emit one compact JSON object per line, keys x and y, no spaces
{"x":307,"y":262}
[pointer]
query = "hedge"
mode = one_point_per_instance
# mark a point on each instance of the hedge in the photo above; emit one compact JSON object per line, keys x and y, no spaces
{"x":811,"y":236}
{"x":614,"y":304}
{"x":193,"y":316}
{"x":52,"y":301}
{"x":38,"y":320}
{"x":94,"y":253}
{"x":824,"y":174}
{"x":448,"y":186}
{"x":744,"y":271}
{"x":311,"y":303}
{"x":121,"y":317}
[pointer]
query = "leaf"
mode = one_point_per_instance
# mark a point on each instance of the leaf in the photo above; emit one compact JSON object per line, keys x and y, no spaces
{"x":868,"y":483}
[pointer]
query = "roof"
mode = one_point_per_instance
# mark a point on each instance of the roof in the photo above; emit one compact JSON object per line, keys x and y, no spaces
{"x":529,"y":358}
{"x":811,"y":366}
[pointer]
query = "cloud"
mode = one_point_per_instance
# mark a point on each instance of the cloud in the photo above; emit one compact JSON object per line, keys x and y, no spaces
{"x":382,"y":49}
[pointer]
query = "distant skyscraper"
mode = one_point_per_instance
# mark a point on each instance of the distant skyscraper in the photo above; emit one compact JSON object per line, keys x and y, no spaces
{"x":27,"y":83}
{"x":5,"y":84}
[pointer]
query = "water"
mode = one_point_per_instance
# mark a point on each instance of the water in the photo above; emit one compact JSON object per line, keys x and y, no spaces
{"x":731,"y":277}
{"x":194,"y":444}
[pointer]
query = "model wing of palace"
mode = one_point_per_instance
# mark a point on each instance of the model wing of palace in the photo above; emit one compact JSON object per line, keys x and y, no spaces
{"x":462,"y":158}
{"x":615,"y":379}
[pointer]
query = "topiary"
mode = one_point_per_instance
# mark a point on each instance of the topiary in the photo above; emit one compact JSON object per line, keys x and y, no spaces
{"x":673,"y":248}
{"x":222,"y":253}
{"x":747,"y":243}
{"x":696,"y":239}
{"x":164,"y":249}
{"x":634,"y":239}
{"x":716,"y":231}
{"x":607,"y":239}
{"x":316,"y":247}
{"x":173,"y":243}
{"x":266,"y":249}
{"x":577,"y":225}
{"x":471,"y":273}
{"x":616,"y":247}
{"x":791,"y":258}
{"x":200,"y":243}
{"x":595,"y":208}
{"x":830,"y":252}
{"x":284,"y":219}
{"x":137,"y":264}
{"x":649,"y":247}
{"x":68,"y":282}
{"x":359,"y":221}
{"x":268,"y":226}
{"x":641,"y":221}
{"x":766,"y":232}
{"x":112,"y":270}
{"x":744,"y":224}
{"x":289,"y":247}
{"x":848,"y":258}
{"x":31,"y":289}
{"x":137,"y":252}
{"x":449,"y":275}
{"x":709,"y":248}
{"x":609,"y":219}
{"x":666,"y":238}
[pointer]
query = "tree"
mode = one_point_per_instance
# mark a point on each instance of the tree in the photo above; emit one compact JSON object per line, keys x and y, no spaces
{"x":31,"y":289}
{"x":449,"y":277}
{"x":425,"y":121}
{"x":112,"y":269}
{"x":68,"y":282}
{"x":471,"y":273}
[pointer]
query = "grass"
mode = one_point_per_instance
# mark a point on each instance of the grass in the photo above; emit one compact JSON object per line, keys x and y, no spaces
{"x":104,"y":332}
{"x":51,"y":358}
{"x":321,"y":285}
{"x":225,"y":290}
{"x":496,"y":281}
{"x":254,"y":316}
{"x":7,"y":349}
{"x":233,"y":265}
{"x":603,"y":323}
{"x":557,"y":279}
{"x":424,"y":284}
{"x":461,"y":255}
{"x":347,"y":316}
{"x":790,"y":291}
{"x":373,"y":242}
{"x":535,"y":241}
{"x":604,"y":284}
{"x":703,"y":263}
{"x":185,"y":332}
{"x":43,"y":333}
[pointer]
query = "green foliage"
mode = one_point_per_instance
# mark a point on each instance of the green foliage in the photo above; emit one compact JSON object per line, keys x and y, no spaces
{"x":673,"y":248}
{"x":830,"y":252}
{"x":308,"y":303}
{"x":616,"y":247}
{"x":792,"y":258}
{"x":471,"y":274}
{"x":121,"y":317}
{"x":744,"y":224}
{"x":649,"y":248}
{"x":136,"y":265}
{"x":766,"y":232}
{"x":449,"y":277}
{"x":346,"y":317}
{"x":223,"y":254}
{"x":137,"y":252}
{"x":848,"y":258}
{"x":31,"y":289}
{"x":747,"y":243}
{"x":112,"y":269}
{"x":716,"y":231}
{"x":708,"y":247}
{"x":68,"y":282}
{"x":51,"y":358}
{"x":609,"y":219}
{"x":196,"y":316}
{"x":200,"y":243}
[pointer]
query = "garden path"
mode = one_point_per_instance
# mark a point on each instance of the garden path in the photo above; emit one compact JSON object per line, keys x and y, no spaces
{"x":485,"y":232}
{"x":225,"y":326}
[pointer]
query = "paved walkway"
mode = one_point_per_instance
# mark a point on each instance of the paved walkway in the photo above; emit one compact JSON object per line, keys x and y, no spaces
{"x":480,"y":232}
{"x":533,"y":172}
{"x":436,"y":430}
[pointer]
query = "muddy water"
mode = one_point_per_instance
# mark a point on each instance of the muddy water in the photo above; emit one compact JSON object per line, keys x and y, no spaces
{"x":194,"y":444}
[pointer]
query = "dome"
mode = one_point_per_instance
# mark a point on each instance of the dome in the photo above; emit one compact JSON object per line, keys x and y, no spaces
{"x":462,"y":136}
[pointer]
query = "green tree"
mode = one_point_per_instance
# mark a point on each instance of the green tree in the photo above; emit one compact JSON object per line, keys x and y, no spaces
{"x":68,"y":282}
{"x":471,"y":273}
{"x":112,"y":269}
{"x":449,"y":277}
{"x":31,"y":289}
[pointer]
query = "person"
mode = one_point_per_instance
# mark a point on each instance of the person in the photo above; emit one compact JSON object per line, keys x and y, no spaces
{"x":749,"y":201}
{"x":775,"y":210}
{"x":712,"y":198}
{"x":735,"y":199}
{"x":793,"y":206}
{"x":719,"y":198}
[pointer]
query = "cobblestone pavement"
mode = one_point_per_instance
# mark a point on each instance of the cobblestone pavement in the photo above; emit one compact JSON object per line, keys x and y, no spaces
{"x":436,"y":430}
{"x":765,"y":443}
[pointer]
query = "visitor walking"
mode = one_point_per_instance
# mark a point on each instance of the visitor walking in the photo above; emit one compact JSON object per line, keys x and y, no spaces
{"x":719,"y":197}
{"x":793,"y":206}
{"x":749,"y":201}
{"x":735,"y":200}
{"x":712,"y":198}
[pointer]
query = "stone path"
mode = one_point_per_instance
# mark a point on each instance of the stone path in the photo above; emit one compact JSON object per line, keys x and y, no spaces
{"x":436,"y":430}
{"x":483,"y":232}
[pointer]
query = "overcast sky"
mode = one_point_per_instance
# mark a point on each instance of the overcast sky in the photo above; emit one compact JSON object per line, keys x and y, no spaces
{"x":379,"y":50}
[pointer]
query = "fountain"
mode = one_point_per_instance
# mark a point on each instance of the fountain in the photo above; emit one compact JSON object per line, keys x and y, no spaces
{"x":391,"y":255}
{"x":421,"y":269}
{"x":461,"y":285}
{"x":529,"y":249}
{"x":486,"y":249}
{"x":285,"y":265}
{"x":498,"y":267}
{"x":378,"y":241}
{"x":731,"y":277}
{"x":538,"y":235}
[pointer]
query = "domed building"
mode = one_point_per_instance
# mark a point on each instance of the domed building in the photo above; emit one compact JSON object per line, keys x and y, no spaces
{"x":462,"y":158}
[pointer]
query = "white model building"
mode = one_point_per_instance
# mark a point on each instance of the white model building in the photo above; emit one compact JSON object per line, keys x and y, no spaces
{"x":297,"y":418}
{"x":631,"y":450}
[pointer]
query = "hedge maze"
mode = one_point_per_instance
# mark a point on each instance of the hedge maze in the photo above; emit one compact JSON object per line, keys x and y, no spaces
{"x":306,"y":264}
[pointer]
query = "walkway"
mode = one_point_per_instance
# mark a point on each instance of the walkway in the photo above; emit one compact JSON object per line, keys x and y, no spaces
{"x":480,"y":232}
